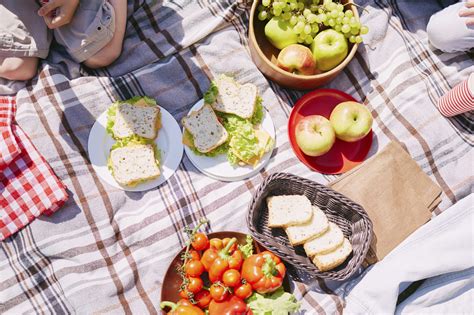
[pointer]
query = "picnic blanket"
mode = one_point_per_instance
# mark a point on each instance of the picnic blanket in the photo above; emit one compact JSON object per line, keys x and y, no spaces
{"x":106,"y":250}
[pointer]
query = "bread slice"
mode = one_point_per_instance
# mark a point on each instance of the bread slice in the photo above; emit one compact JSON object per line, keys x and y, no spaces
{"x":207,"y":131}
{"x":288,"y":210}
{"x":133,"y":164}
{"x":233,"y":98}
{"x":331,"y":260}
{"x":325,"y":243}
{"x":298,"y":234}
{"x":136,"y":119}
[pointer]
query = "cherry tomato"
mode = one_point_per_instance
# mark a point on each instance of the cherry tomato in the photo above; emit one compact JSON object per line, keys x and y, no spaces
{"x":225,"y":241}
{"x":231,"y":278}
{"x":194,"y":268}
{"x":200,"y":241}
{"x":194,"y":255}
{"x":195,"y":284}
{"x":216,"y":243}
{"x":184,"y":294}
{"x":243,"y":291}
{"x":218,"y":292}
{"x":203,"y":298}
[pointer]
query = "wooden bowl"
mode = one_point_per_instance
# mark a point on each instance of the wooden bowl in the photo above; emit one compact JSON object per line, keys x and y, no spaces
{"x":265,"y":55}
{"x":172,"y":281}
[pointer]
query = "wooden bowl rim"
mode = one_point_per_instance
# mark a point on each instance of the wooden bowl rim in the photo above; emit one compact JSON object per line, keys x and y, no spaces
{"x":326,"y":74}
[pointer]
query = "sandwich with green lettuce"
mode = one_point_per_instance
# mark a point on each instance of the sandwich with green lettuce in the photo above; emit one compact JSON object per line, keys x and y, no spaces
{"x":234,"y":129}
{"x":134,"y":123}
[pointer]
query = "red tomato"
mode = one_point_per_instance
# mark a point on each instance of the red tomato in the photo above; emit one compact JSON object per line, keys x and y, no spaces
{"x":194,"y":255}
{"x":195,"y":284}
{"x":200,"y":241}
{"x":218,"y":292}
{"x":203,"y":298}
{"x":231,"y":278}
{"x":243,"y":291}
{"x":194,"y":268}
{"x":184,"y":294}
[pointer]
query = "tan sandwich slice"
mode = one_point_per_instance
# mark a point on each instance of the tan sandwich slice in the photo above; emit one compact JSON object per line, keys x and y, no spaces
{"x":298,"y":234}
{"x":206,"y":130}
{"x":233,"y":98}
{"x":137,"y":119}
{"x":288,"y":210}
{"x":333,"y":259}
{"x":325,"y":243}
{"x":133,"y":164}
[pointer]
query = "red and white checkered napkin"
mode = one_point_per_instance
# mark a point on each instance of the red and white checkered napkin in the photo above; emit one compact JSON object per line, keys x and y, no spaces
{"x":28,"y":186}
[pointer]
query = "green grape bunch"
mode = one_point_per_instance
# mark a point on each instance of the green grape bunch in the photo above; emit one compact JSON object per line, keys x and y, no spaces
{"x":308,"y":17}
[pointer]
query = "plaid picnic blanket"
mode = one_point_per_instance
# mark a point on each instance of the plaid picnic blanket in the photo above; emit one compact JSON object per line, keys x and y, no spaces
{"x":106,"y":251}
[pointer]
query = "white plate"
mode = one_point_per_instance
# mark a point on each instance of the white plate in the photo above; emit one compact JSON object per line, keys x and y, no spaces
{"x":218,"y":167}
{"x":168,"y":141}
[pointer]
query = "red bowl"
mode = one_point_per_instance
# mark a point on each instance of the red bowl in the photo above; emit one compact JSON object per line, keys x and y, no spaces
{"x":343,"y":156}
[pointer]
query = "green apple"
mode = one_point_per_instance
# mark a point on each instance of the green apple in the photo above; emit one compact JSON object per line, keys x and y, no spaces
{"x":280,"y":33}
{"x":329,"y":49}
{"x":351,"y":121}
{"x":297,"y":59}
{"x":314,"y":135}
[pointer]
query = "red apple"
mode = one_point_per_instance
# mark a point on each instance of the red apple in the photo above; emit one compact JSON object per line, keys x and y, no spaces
{"x":297,"y":59}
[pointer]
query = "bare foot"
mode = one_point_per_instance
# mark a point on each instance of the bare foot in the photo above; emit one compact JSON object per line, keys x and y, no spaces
{"x":18,"y":68}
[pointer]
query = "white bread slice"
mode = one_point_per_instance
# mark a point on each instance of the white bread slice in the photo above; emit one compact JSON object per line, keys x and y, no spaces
{"x":326,"y":242}
{"x":133,"y":164}
{"x":288,"y":210}
{"x":207,"y":131}
{"x":233,"y":98}
{"x":136,"y":119}
{"x":331,"y":260}
{"x":298,"y":234}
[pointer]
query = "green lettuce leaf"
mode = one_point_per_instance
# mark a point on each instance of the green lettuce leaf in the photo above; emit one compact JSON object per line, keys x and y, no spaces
{"x":257,"y":117}
{"x":275,"y":303}
{"x":242,"y":143}
{"x":247,"y":249}
{"x":211,"y":94}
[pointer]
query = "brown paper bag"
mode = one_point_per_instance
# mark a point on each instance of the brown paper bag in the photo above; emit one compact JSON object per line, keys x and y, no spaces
{"x":396,"y":194}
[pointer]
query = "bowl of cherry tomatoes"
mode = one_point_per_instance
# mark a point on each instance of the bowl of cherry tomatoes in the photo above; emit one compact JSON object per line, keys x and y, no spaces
{"x":215,"y":274}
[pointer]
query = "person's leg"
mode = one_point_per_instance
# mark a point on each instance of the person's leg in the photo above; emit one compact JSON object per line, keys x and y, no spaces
{"x":448,"y":31}
{"x":18,"y":68}
{"x":112,"y":50}
{"x":24,"y":39}
{"x":95,"y":34}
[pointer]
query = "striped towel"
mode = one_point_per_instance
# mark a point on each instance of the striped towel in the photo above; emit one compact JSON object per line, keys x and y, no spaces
{"x":107,"y":251}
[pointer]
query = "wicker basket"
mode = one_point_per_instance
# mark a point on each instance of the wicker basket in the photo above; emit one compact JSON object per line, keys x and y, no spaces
{"x":348,"y":215}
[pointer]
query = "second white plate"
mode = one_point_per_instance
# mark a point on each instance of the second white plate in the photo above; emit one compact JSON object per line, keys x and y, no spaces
{"x":168,"y":141}
{"x":219,"y":167}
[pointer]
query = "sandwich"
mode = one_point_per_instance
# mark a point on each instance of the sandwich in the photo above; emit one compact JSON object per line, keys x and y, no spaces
{"x":132,"y":161}
{"x":229,"y":97}
{"x":203,"y":131}
{"x":138,"y":117}
{"x":239,"y":110}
